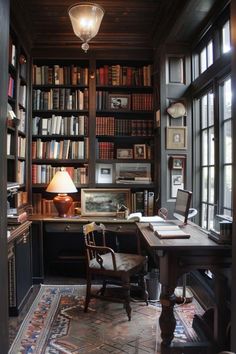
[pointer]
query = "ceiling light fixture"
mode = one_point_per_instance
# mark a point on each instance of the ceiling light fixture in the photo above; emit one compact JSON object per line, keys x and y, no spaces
{"x":86,"y":18}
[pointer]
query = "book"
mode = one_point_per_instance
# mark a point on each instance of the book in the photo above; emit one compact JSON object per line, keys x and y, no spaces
{"x":171,"y":234}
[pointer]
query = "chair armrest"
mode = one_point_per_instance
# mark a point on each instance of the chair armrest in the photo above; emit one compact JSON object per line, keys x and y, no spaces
{"x":103,"y":250}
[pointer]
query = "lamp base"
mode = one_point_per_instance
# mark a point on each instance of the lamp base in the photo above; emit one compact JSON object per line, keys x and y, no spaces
{"x":62,"y":203}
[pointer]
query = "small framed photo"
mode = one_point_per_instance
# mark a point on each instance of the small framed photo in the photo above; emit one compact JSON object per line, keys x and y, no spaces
{"x":119,"y":102}
{"x":140,"y":151}
{"x":124,"y":153}
{"x":104,"y":173}
{"x":176,"y":183}
{"x":176,"y":137}
{"x":177,"y":162}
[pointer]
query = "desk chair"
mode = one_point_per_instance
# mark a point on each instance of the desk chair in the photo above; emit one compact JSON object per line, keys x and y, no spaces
{"x":114,"y":268}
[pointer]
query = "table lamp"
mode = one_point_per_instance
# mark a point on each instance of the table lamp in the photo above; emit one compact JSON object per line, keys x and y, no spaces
{"x":62,"y":184}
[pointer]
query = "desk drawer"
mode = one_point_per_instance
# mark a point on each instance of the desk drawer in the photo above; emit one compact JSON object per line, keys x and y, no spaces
{"x":66,"y":227}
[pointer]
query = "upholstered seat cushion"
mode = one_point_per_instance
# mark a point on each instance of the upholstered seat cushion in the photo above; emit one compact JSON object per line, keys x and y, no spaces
{"x":124,"y":261}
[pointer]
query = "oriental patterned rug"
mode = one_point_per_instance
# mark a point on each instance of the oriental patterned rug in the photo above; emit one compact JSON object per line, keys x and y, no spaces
{"x":56,"y":324}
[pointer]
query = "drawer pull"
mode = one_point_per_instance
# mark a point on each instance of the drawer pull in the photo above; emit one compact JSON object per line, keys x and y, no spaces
{"x":67,"y":227}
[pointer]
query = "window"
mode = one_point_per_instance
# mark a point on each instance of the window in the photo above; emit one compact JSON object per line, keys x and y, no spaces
{"x":226,"y":153}
{"x":203,"y":59}
{"x":207,"y":160}
{"x":226,"y":37}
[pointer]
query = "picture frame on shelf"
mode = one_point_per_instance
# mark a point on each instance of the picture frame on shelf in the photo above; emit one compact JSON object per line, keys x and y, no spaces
{"x":140,"y":151}
{"x":124,"y":153}
{"x":104,"y":173}
{"x":103,"y":202}
{"x":119,"y":102}
{"x":176,"y":137}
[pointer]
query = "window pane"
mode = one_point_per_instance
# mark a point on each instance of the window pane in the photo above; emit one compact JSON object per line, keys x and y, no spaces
{"x":204,"y":216}
{"x":209,"y":54}
{"x":211,"y":185}
{"x":226,"y":38}
{"x":227,"y":141}
{"x":204,"y":151}
{"x":210,"y":109}
{"x":203,"y":60}
{"x":211,"y":147}
{"x":204,"y":184}
{"x":227,"y":99}
{"x":204,"y":112}
{"x":210,"y":217}
{"x":227,"y":187}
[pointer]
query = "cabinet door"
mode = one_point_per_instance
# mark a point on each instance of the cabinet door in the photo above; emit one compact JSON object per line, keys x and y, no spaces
{"x":23,"y":267}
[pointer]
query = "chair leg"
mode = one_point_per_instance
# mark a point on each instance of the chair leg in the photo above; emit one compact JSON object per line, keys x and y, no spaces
{"x":88,"y":292}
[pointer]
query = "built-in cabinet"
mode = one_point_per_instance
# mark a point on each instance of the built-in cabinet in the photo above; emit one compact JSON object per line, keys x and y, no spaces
{"x":19,"y":267}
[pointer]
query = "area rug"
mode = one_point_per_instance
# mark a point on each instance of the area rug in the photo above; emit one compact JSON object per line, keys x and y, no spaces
{"x":56,"y":324}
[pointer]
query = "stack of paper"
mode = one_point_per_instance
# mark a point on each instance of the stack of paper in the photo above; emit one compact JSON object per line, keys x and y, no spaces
{"x":168,"y":230}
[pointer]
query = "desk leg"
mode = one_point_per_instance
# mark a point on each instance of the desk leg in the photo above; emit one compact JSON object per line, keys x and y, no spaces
{"x":167,"y":319}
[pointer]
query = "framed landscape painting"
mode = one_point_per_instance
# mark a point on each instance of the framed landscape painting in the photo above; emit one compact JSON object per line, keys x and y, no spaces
{"x":103,"y":202}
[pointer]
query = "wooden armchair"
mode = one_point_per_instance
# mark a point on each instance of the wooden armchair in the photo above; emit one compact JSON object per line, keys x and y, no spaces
{"x":114,"y":268}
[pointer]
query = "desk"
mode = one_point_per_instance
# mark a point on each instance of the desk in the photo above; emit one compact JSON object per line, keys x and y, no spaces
{"x":58,"y":243}
{"x":179,"y":256}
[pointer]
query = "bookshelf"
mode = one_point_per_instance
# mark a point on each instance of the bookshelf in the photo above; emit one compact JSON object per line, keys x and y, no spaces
{"x":60,"y":125}
{"x":17,"y":127}
{"x":125,"y":130}
{"x":94,"y":118}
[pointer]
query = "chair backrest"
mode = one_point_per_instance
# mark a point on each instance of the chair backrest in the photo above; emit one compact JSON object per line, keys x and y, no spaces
{"x":89,"y":231}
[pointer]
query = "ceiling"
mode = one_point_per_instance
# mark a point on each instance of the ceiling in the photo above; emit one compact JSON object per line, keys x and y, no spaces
{"x":126,"y":24}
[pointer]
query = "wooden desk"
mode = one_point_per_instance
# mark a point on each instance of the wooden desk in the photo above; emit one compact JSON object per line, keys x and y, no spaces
{"x":58,"y":243}
{"x":179,"y":256}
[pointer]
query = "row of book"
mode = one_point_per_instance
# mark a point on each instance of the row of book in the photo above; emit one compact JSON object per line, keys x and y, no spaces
{"x":134,"y":101}
{"x":109,"y":126}
{"x":60,"y":98}
{"x":44,"y":173}
{"x":11,"y":86}
{"x":63,"y":149}
{"x":143,"y":202}
{"x":47,"y":208}
{"x":21,"y":147}
{"x":60,"y":75}
{"x":117,"y":75}
{"x":60,"y":125}
{"x":21,"y":172}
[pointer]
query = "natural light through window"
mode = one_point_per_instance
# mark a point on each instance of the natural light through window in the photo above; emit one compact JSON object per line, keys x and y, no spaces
{"x":226,"y":37}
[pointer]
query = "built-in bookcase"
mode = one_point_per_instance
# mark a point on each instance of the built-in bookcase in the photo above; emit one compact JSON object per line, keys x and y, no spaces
{"x":103,"y":134}
{"x":17,"y":128}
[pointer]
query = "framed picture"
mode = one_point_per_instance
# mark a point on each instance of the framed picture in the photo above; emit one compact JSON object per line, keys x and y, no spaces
{"x":177,"y":162}
{"x":124,"y":153}
{"x":176,"y":137}
{"x":176,"y":183}
{"x":140,"y":151}
{"x":119,"y":102}
{"x":104,"y":173}
{"x":103,"y":202}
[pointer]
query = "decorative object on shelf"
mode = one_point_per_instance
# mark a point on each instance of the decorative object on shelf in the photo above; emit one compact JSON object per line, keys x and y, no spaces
{"x":176,"y":110}
{"x":140,"y":151}
{"x":119,"y":102}
{"x":86,"y":18}
{"x":176,"y":137}
{"x":104,"y":173}
{"x":122,"y":212}
{"x":103,"y":202}
{"x":62,"y":184}
{"x":124,"y":153}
